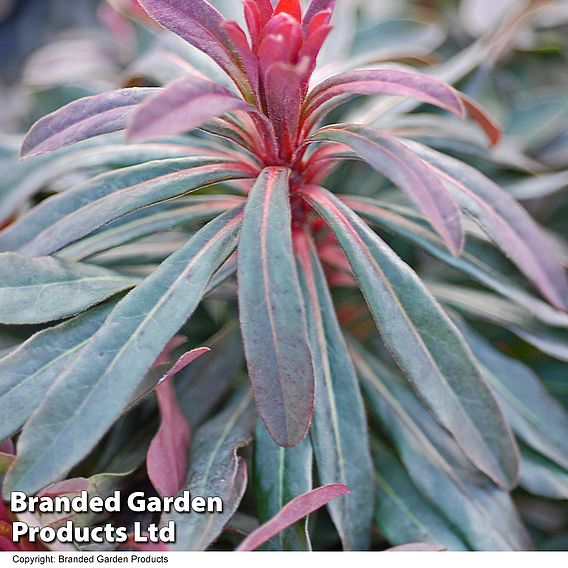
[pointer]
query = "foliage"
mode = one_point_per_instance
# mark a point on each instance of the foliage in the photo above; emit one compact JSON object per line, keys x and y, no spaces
{"x":249,"y":207}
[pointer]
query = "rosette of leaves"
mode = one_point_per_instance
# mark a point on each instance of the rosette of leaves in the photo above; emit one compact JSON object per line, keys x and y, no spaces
{"x":267,"y":138}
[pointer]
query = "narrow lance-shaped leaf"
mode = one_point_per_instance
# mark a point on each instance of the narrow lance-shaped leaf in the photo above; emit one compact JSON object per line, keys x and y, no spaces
{"x":424,"y":342}
{"x":198,"y":23}
{"x":484,"y":306}
{"x":483,"y":514}
{"x":385,"y":82}
{"x":181,"y":106}
{"x":404,"y":223}
{"x":283,"y":101}
{"x":536,"y":417}
{"x":489,"y":126}
{"x":507,"y":224}
{"x":87,"y":398}
{"x":215,"y":468}
{"x":543,"y":477}
{"x":168,"y":452}
{"x":403,"y":514}
{"x":315,"y":7}
{"x":41,"y":290}
{"x":272,"y":315}
{"x":65,"y":218}
{"x":28,"y":177}
{"x":391,"y":158}
{"x":29,"y":371}
{"x":84,"y":118}
{"x":339,"y":432}
{"x":149,"y":221}
{"x":211,"y":377}
{"x":295,"y":510}
{"x":280,"y":475}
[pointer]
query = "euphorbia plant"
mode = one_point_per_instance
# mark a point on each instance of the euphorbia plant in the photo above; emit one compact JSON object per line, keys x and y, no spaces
{"x":266,"y":139}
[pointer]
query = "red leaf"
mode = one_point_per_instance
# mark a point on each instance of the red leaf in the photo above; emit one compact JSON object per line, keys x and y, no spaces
{"x":291,"y":7}
{"x":7,"y":447}
{"x":67,"y":487}
{"x":183,"y":105}
{"x":168,"y":452}
{"x":284,"y":86}
{"x":292,"y":512}
{"x":390,"y":157}
{"x":316,"y":7}
{"x":198,"y":23}
{"x":173,"y":343}
{"x":386,"y":82}
{"x":479,"y":115}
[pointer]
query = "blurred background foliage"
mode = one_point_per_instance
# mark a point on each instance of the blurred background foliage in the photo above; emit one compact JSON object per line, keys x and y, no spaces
{"x":509,"y":55}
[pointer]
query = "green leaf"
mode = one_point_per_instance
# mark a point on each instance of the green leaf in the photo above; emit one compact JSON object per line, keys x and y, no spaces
{"x":536,"y":417}
{"x":339,"y":432}
{"x":484,"y":514}
{"x":273,"y":321}
{"x":403,"y":514}
{"x":66,"y":218}
{"x":29,"y":371}
{"x":406,"y":224}
{"x":424,"y":342}
{"x":202,"y":386}
{"x":27,"y":178}
{"x":280,"y":474}
{"x":484,"y":306}
{"x":149,"y":221}
{"x":542,"y":477}
{"x":95,"y":389}
{"x":45,"y":289}
{"x":216,"y":469}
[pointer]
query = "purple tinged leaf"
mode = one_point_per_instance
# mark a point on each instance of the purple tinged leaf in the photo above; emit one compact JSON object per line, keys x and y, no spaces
{"x":506,"y":223}
{"x":169,"y":450}
{"x":75,"y":213}
{"x":426,"y":345}
{"x":185,"y":360}
{"x":291,"y":513}
{"x":390,"y":157}
{"x":164,"y":357}
{"x":246,"y":54}
{"x":66,"y":487}
{"x":201,"y":25}
{"x":386,"y":82}
{"x":56,"y":438}
{"x":7,"y":447}
{"x":339,"y":431}
{"x":315,"y":7}
{"x":272,"y":315}
{"x":284,"y":100}
{"x":183,"y":105}
{"x":215,"y":468}
{"x":83,"y":119}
